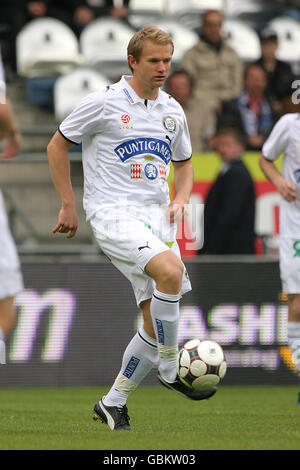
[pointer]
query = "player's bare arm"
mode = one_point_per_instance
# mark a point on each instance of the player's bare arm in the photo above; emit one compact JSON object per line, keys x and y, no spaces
{"x":59,"y":163}
{"x":285,"y":187}
{"x":184,"y":180}
{"x":9,"y":130}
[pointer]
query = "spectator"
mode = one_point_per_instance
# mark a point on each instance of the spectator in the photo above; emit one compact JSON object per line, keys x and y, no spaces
{"x":180,"y":86}
{"x":279,"y":74}
{"x":11,"y":18}
{"x":251,"y":110}
{"x":85,"y":11}
{"x":214,"y":66}
{"x":229,"y":208}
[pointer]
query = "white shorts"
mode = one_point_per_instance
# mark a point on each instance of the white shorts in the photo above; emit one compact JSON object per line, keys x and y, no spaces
{"x":289,"y":263}
{"x":130,"y":237}
{"x":11,"y":280}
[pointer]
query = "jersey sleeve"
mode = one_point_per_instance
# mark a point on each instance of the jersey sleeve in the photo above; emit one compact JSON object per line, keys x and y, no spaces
{"x":84,"y":119}
{"x":277,"y":141}
{"x":182,"y":149}
{"x":2,"y":82}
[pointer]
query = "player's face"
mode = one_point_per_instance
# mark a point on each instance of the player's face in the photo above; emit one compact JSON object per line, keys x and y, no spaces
{"x":153,"y":66}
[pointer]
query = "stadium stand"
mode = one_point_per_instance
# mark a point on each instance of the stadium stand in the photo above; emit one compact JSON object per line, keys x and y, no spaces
{"x":183,"y":38}
{"x":70,"y":88}
{"x":56,"y":55}
{"x":46,"y":46}
{"x":102,"y":44}
{"x":243,"y":39}
{"x":288,"y":32}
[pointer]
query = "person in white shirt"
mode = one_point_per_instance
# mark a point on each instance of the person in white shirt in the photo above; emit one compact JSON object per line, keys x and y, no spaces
{"x":130,"y":132}
{"x":11,"y":279}
{"x":285,"y":139}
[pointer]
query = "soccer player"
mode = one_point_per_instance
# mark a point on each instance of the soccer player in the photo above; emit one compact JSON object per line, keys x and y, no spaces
{"x":130,"y":132}
{"x":285,"y":138}
{"x":11,"y":280}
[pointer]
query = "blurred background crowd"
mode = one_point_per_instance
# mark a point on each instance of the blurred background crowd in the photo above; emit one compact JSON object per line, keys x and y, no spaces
{"x":236,"y":64}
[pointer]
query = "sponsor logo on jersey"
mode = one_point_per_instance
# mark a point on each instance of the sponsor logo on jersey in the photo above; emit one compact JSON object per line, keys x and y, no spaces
{"x":297,"y":175}
{"x":135,"y":171}
{"x":170,"y":123}
{"x":126,"y":121}
{"x":151,"y":172}
{"x":162,"y":172}
{"x":140,"y":146}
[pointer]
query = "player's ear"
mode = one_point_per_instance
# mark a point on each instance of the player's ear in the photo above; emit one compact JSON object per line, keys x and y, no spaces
{"x":131,"y":61}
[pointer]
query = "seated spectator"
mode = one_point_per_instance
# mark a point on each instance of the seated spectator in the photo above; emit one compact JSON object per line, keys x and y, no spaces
{"x":214,"y":66}
{"x":12,"y":20}
{"x":279,"y":74}
{"x":180,"y":85}
{"x":229,"y":209}
{"x":85,"y":11}
{"x":251,"y":110}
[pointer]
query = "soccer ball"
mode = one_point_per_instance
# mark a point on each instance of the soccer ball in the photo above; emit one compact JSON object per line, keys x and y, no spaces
{"x":201,"y":364}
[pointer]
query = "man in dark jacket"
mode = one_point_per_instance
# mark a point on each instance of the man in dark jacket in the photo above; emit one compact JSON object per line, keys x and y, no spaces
{"x":229,"y":208}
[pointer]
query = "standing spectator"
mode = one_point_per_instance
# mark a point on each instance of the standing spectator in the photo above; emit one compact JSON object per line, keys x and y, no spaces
{"x":251,"y":110}
{"x":180,"y":86}
{"x":214,"y":66}
{"x":229,"y":208}
{"x":279,"y":73}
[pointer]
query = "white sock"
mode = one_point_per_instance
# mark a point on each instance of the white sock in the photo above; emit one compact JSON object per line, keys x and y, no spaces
{"x":2,"y":348}
{"x":138,"y":359}
{"x":165,"y":316}
{"x":294,"y":343}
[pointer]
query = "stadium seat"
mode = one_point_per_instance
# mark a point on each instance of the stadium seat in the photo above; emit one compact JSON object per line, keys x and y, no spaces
{"x":243,"y":39}
{"x":288,"y":31}
{"x":45,"y":47}
{"x":70,"y":88}
{"x":254,"y":13}
{"x":154,"y":6}
{"x":183,"y":38}
{"x":103,"y":44}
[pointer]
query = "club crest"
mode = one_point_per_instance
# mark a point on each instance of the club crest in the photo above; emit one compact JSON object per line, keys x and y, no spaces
{"x":169,"y":123}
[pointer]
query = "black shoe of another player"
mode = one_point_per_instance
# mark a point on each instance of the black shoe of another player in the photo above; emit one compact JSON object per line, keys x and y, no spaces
{"x":186,"y":391}
{"x":115,"y":417}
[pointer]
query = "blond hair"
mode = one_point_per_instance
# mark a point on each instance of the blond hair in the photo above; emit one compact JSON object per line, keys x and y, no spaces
{"x":154,"y":34}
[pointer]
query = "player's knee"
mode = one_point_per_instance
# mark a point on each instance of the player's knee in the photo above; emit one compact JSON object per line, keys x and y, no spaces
{"x":170,"y":277}
{"x":294,"y":307}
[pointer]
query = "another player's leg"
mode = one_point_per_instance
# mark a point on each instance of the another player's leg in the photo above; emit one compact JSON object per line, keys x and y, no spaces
{"x":139,"y":358}
{"x":7,"y":323}
{"x":167,"y":271}
{"x":294,"y":330}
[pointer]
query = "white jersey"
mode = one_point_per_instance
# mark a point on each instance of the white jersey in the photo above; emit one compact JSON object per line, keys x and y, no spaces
{"x":285,"y":138}
{"x":127,"y":145}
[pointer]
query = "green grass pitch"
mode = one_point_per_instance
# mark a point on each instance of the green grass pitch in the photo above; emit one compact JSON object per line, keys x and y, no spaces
{"x":236,"y":418}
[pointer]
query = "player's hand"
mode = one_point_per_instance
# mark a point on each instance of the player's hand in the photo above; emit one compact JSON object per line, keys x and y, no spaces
{"x":67,"y":222}
{"x":177,"y":211}
{"x":12,"y":146}
{"x":287,"y":190}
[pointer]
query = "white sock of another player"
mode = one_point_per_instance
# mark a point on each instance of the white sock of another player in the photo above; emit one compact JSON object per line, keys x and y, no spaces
{"x":294,"y":343}
{"x":2,"y":348}
{"x":165,"y":316}
{"x":138,"y":359}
